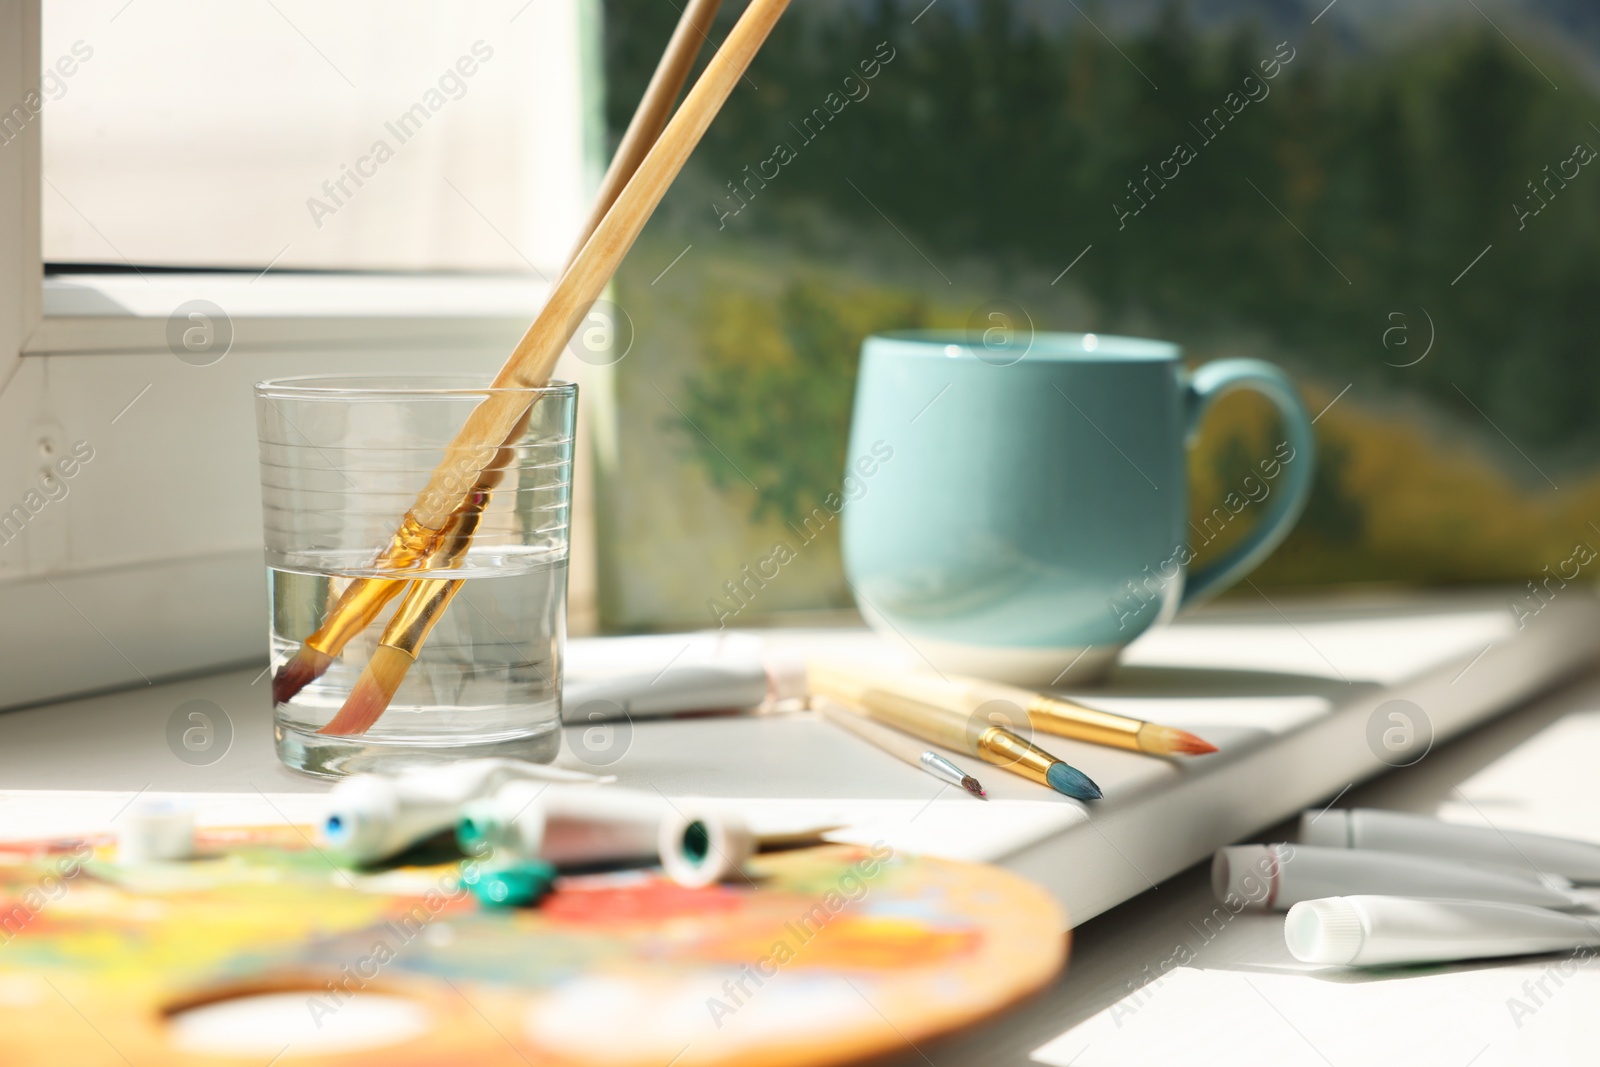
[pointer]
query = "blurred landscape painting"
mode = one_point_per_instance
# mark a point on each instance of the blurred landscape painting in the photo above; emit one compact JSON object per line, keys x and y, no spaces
{"x":1397,"y":202}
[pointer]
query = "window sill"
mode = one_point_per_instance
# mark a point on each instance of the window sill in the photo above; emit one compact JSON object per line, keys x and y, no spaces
{"x":117,"y":312}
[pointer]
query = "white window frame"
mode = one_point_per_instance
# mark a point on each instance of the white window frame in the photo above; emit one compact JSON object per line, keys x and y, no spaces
{"x":21,"y":266}
{"x":86,"y":605}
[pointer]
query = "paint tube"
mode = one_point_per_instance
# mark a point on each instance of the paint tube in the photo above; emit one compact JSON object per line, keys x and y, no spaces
{"x":1376,"y":931}
{"x":1276,"y":877}
{"x":1392,"y":831}
{"x":372,"y":816}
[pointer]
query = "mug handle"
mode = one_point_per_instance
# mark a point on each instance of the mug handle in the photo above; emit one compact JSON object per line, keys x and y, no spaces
{"x":1206,"y":385}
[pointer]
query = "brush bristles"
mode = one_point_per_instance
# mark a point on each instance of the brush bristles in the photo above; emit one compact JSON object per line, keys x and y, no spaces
{"x":371,"y":693}
{"x":1169,"y":741}
{"x":303,"y":668}
{"x":970,"y":784}
{"x":1065,"y":778}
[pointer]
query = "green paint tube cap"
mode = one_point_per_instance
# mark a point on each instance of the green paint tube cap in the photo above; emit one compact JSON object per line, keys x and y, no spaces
{"x":475,"y":828}
{"x":512,"y":819}
{"x":519,"y":885}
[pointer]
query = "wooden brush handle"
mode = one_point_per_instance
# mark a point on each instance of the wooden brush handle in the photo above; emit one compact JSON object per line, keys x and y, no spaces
{"x":644,"y":129}
{"x":531,"y":362}
{"x":655,"y":107}
{"x":939,"y":726}
{"x":900,"y":745}
{"x":416,"y":543}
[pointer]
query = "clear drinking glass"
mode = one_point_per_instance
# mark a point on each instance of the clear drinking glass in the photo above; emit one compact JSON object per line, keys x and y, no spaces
{"x":342,"y":459}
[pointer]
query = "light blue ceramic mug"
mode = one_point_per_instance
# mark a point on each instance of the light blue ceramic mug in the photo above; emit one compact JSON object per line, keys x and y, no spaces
{"x":1032,"y":516}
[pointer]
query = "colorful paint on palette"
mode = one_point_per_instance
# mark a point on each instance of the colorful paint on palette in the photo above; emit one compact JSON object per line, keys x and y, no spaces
{"x":823,"y":955}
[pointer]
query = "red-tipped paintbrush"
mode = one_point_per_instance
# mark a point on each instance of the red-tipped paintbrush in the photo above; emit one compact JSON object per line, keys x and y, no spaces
{"x":1045,"y":714}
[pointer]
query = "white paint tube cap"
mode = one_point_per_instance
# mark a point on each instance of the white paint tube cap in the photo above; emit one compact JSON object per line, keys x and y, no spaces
{"x":702,"y":844}
{"x":1330,"y":828}
{"x":154,"y":830}
{"x":1324,"y":931}
{"x":786,"y":676}
{"x":1245,"y":872}
{"x":362,"y":811}
{"x":1374,"y":930}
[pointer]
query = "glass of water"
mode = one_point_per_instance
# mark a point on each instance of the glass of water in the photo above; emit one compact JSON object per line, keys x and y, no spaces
{"x":342,"y":460}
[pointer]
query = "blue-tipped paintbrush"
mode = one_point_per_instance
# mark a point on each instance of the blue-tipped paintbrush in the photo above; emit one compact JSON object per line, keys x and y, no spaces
{"x":988,"y":741}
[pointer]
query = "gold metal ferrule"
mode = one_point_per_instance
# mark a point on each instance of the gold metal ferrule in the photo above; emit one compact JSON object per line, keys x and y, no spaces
{"x":1003,"y":748}
{"x":361,"y":602}
{"x":1066,"y":719}
{"x":456,"y":537}
{"x":411,"y":543}
{"x":364,"y":599}
{"x":418,"y":612}
{"x":428,"y":597}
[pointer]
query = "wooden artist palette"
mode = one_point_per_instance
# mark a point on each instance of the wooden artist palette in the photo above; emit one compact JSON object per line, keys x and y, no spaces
{"x":825,"y":955}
